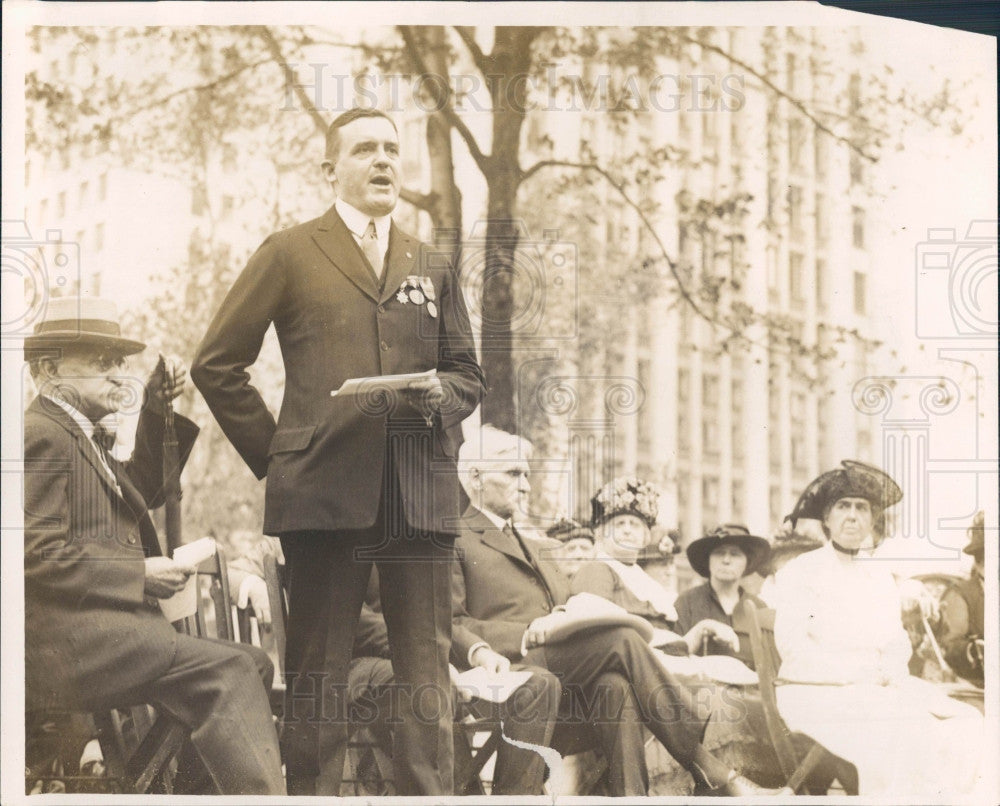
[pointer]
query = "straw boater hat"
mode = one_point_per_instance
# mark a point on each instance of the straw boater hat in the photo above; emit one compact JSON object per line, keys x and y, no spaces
{"x":625,"y":496}
{"x":852,"y":479}
{"x":568,"y":529}
{"x":83,"y":321}
{"x":756,"y":549}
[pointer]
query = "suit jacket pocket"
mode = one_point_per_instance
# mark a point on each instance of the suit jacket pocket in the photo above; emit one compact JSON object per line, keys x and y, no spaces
{"x":288,"y":440}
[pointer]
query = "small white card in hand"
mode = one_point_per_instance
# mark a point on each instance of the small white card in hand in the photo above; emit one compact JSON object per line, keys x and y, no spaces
{"x":376,"y":383}
{"x":488,"y":686}
{"x":184,"y":603}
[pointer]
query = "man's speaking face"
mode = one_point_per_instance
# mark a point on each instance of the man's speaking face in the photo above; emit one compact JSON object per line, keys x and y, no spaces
{"x":366,"y":171}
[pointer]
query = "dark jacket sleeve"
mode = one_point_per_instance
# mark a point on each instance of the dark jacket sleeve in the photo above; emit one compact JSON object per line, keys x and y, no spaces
{"x":957,"y":639}
{"x":232,"y":344}
{"x":458,"y":369}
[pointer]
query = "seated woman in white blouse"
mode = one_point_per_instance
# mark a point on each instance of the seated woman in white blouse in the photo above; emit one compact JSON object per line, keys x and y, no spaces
{"x":843,"y":678}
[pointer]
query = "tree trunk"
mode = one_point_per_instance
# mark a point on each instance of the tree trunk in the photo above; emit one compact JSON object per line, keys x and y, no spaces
{"x":510,"y":61}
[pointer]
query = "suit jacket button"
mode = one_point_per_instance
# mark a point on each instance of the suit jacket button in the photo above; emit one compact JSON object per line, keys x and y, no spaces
{"x":384,"y":346}
{"x":131,"y":540}
{"x":381,"y":308}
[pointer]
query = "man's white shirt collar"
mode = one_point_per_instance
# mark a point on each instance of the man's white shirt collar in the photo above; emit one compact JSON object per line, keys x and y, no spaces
{"x":495,"y":519}
{"x":357,"y":222}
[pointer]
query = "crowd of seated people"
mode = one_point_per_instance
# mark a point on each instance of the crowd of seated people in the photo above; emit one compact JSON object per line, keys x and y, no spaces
{"x":844,"y":677}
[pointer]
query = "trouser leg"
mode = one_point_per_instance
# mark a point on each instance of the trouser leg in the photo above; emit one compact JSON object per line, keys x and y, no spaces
{"x":415,"y":586}
{"x":529,"y":715}
{"x":326,"y":585}
{"x":215,"y":689}
{"x":663,"y":703}
{"x":618,"y":726}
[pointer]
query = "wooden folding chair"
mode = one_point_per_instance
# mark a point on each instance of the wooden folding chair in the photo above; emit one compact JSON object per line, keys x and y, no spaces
{"x":815,"y":770}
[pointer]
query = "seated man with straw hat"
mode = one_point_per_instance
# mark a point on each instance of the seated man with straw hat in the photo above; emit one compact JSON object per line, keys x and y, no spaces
{"x":95,"y":637}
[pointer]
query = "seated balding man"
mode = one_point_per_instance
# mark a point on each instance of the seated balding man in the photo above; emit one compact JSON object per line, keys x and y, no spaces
{"x":504,"y":594}
{"x":95,"y":637}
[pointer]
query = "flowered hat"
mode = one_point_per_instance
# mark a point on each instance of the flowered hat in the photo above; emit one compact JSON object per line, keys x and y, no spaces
{"x":756,"y":549}
{"x":852,"y":479}
{"x":625,"y":496}
{"x":567,"y":529}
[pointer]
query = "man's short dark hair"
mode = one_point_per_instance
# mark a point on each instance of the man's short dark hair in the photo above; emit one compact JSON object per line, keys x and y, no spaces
{"x":333,"y":132}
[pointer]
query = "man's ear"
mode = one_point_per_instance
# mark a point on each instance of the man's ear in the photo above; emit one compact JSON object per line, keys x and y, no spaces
{"x":476,"y":478}
{"x":329,"y":171}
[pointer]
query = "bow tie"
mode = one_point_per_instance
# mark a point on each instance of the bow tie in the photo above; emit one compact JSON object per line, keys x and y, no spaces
{"x":104,"y":437}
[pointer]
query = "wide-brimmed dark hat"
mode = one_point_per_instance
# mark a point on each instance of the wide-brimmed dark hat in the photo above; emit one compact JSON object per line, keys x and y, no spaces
{"x":852,"y":479}
{"x":84,"y":321}
{"x":977,"y":535}
{"x":756,"y":549}
{"x":625,"y":496}
{"x":568,"y":529}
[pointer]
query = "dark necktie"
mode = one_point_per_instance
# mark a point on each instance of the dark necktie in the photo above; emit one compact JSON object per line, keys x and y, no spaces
{"x":104,"y":438}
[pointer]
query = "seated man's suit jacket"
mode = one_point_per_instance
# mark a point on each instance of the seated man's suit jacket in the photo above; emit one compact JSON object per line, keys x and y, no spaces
{"x":497,"y":593}
{"x":90,"y":633}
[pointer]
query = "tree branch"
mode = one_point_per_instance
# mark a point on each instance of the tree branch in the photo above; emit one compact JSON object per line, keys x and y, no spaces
{"x":589,"y":166}
{"x":442,"y":102}
{"x":274,"y":48}
{"x":422,"y":201}
{"x":801,"y":107}
{"x":469,"y":40}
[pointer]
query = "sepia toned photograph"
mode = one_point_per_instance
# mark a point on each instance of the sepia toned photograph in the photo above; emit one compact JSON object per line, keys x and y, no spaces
{"x":559,"y":401}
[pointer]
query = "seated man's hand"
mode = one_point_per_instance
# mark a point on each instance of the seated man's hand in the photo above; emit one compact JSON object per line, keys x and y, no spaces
{"x":538,"y":631}
{"x":164,"y":577}
{"x":493,"y":662}
{"x":253,"y":592}
{"x":710,"y":628}
{"x":167,"y":380}
{"x":915,"y":597}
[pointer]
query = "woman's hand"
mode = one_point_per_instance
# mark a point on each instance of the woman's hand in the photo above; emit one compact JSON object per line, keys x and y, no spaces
{"x":710,"y":628}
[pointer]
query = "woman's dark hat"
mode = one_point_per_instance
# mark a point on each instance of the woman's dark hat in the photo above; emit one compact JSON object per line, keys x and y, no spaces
{"x":756,"y":549}
{"x":83,"y":321}
{"x":625,"y":496}
{"x":977,"y":535}
{"x":852,"y":479}
{"x":568,"y":529}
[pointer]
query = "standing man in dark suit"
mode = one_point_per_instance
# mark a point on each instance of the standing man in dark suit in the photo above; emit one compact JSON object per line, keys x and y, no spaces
{"x":354,"y":479}
{"x":95,"y":637}
{"x":505,"y":594}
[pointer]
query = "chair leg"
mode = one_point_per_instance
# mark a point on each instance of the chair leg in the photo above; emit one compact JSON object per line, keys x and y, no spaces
{"x":806,"y":766}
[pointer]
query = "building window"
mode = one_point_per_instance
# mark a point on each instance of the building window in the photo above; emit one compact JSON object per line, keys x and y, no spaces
{"x":822,"y":220}
{"x":683,"y":385}
{"x":774,"y":501}
{"x":102,"y":187}
{"x":796,"y":281}
{"x":772,"y":270}
{"x":796,"y":143}
{"x":683,"y":432}
{"x":790,"y":72}
{"x":710,"y":435}
{"x":821,"y":284}
{"x":858,"y":227}
{"x":738,"y":500}
{"x":709,"y":390}
{"x":61,"y":204}
{"x":84,"y":193}
{"x":99,"y":236}
{"x":860,"y":294}
{"x":795,"y":209}
{"x":821,"y":153}
{"x":856,"y":167}
{"x":710,"y":492}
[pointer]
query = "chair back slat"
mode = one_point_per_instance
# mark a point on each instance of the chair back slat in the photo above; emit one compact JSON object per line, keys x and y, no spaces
{"x":760,"y":626}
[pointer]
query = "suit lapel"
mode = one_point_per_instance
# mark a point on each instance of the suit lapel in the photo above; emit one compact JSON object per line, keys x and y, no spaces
{"x":400,"y":260}
{"x":335,"y":240}
{"x":495,"y":538}
{"x":58,"y":414}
